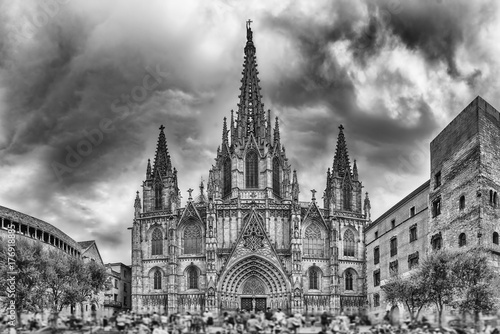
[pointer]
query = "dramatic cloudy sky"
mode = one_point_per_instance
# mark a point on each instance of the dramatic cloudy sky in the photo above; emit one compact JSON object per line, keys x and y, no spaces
{"x":393,"y":72}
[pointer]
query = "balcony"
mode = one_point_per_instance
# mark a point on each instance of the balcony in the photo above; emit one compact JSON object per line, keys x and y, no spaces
{"x":112,"y":303}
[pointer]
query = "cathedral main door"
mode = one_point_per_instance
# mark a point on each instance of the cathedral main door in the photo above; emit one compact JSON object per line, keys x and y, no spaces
{"x":253,"y":304}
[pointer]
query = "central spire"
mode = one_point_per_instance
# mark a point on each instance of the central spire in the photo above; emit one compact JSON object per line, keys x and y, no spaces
{"x":162,"y":164}
{"x":251,"y":118}
{"x":341,"y":162}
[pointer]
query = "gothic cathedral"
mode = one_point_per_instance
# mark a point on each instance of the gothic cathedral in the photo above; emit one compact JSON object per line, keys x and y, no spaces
{"x":249,"y":243}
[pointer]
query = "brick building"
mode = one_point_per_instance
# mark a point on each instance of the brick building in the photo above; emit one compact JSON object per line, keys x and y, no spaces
{"x":457,"y":207}
{"x":248,"y":242}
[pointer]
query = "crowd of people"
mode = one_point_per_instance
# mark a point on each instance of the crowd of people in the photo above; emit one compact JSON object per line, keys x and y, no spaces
{"x":237,"y":322}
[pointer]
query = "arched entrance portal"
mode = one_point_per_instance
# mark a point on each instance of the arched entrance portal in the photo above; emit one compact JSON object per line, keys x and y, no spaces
{"x":254,"y":283}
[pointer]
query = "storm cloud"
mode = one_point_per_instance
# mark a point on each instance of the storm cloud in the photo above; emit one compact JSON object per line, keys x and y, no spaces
{"x":84,"y":86}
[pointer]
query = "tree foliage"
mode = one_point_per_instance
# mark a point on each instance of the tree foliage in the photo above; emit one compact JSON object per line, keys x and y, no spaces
{"x":49,"y":278}
{"x":407,"y":291}
{"x":464,"y":279}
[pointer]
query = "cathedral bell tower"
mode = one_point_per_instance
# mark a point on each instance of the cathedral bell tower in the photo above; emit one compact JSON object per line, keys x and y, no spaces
{"x":251,"y":162}
{"x":160,"y":190}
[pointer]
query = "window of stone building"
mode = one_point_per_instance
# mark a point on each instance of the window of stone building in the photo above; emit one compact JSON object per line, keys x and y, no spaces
{"x":347,"y":196}
{"x":461,"y":202}
{"x":276,"y":177}
{"x":436,"y":207}
{"x":157,"y":280}
{"x":116,"y":284}
{"x":376,"y":300}
{"x":192,"y":276}
{"x":393,"y":268}
{"x":436,"y":241}
{"x":313,"y":243}
{"x":227,"y":177}
{"x":462,"y":240}
{"x":493,"y":198}
{"x":376,"y":277}
{"x":412,"y":211}
{"x":413,"y":260}
{"x":437,"y":180}
{"x":495,"y":238}
{"x":314,"y":276}
{"x":252,"y":169}
{"x":413,"y":233}
{"x":158,"y":197}
{"x":393,"y":223}
{"x":349,"y":244}
{"x":157,"y":242}
{"x":348,"y":281}
{"x":192,"y":239}
{"x":376,"y":255}
{"x":376,"y":234}
{"x":394,"y":246}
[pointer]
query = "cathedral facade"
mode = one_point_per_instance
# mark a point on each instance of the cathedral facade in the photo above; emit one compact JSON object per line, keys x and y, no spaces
{"x":248,"y":242}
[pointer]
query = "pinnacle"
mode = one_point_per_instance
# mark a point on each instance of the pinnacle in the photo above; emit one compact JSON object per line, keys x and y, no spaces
{"x":341,"y":162}
{"x":162,"y":164}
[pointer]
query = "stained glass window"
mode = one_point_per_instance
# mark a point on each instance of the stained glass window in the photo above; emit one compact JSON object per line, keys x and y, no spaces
{"x":157,"y":242}
{"x":192,"y":239}
{"x":192,"y":277}
{"x":349,"y":244}
{"x":348,"y":280}
{"x":314,"y":278}
{"x":276,"y":177}
{"x":313,"y":243}
{"x":227,"y":177}
{"x":252,"y":170}
{"x":157,"y":280}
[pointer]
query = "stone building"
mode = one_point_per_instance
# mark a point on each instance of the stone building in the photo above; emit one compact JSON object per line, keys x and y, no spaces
{"x":457,"y":207}
{"x":249,"y":242}
{"x":118,"y":296}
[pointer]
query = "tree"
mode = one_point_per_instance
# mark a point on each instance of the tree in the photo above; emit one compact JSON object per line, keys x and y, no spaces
{"x":409,"y":291}
{"x":475,"y":282}
{"x":27,"y":282}
{"x":436,"y":276}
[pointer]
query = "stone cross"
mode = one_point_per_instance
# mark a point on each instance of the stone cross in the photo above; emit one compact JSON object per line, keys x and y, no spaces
{"x":162,"y":127}
{"x":190,"y":191}
{"x":313,"y":191}
{"x":248,"y":23}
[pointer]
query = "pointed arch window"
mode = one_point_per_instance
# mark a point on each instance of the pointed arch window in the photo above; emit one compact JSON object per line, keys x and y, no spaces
{"x":348,"y":281}
{"x":157,"y":280}
{"x":314,"y":276}
{"x":158,"y":197}
{"x":313,"y":242}
{"x":227,"y":177}
{"x":276,"y":177}
{"x":252,"y":170}
{"x":192,"y":239}
{"x":192,"y":276}
{"x":347,"y":196}
{"x":157,"y":242}
{"x":349,"y":244}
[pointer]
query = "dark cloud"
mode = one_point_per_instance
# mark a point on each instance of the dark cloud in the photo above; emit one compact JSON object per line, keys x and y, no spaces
{"x":59,"y":81}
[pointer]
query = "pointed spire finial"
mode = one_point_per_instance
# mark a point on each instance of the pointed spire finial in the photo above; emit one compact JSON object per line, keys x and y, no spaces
{"x":367,"y":207}
{"x":148,"y":169}
{"x":224,"y":131}
{"x":355,"y":171}
{"x":341,"y":162}
{"x":277,"y":131}
{"x":162,"y":164}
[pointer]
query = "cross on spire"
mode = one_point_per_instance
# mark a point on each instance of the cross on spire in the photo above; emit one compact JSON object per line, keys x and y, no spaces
{"x":162,"y":127}
{"x":248,"y":23}
{"x":190,"y":191}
